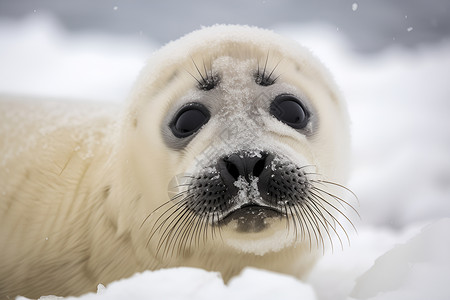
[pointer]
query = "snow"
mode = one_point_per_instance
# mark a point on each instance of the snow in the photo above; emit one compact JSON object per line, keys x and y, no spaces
{"x":57,"y":64}
{"x":415,"y":270}
{"x":247,"y":190}
{"x":190,"y":283}
{"x":398,"y":102}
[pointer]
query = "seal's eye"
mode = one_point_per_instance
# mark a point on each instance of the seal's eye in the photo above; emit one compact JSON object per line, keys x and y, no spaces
{"x":189,"y":119}
{"x":288,"y":109}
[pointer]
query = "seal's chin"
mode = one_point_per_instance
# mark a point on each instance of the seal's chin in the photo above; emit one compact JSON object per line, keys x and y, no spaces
{"x":251,"y":218}
{"x":257,"y":229}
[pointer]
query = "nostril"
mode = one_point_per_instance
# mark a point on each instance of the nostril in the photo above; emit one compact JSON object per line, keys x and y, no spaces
{"x":232,"y":170}
{"x":243,"y":164}
{"x":259,"y":167}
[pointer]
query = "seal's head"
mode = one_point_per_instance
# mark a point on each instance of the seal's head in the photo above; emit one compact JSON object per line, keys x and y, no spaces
{"x":239,"y":139}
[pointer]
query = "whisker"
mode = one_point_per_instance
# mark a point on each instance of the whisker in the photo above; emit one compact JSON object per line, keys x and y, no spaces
{"x":186,"y":217}
{"x":316,"y":227}
{"x":300,"y":221}
{"x":173,"y":234}
{"x":325,"y":225}
{"x":341,"y":186}
{"x":159,"y":225}
{"x":336,"y":197}
{"x":205,"y":236}
{"x":172,"y":200}
{"x":293,"y":221}
{"x":258,"y":71}
{"x":270,"y":74}
{"x":187,"y":232}
{"x":306,"y":218}
{"x":196,"y":79}
{"x":200,"y":73}
{"x":321,"y":199}
{"x":210,"y":68}
{"x":275,"y":79}
{"x":182,"y":210}
{"x":197,"y":229}
{"x":316,"y":205}
{"x":218,"y":227}
{"x":179,"y":227}
{"x":339,"y":200}
{"x":156,"y":209}
{"x":287,"y":219}
{"x":204,"y":68}
{"x":165,"y":212}
{"x":265,"y":64}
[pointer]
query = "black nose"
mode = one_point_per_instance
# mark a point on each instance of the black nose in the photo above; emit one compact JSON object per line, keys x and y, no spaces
{"x":247,"y":165}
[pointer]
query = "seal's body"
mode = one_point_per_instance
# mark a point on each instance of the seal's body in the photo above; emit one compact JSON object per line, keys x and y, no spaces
{"x":229,"y":153}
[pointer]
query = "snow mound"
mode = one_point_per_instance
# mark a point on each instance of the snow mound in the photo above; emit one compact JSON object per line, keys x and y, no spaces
{"x":191,"y":283}
{"x":418,"y":269}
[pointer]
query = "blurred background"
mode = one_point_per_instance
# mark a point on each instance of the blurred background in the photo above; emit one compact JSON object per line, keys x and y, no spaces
{"x":391,"y":59}
{"x":371,"y":26}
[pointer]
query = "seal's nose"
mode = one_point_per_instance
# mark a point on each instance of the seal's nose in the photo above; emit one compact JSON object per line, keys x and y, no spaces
{"x":247,"y":165}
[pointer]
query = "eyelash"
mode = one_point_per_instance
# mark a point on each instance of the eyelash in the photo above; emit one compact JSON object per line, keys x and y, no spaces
{"x":207,"y":81}
{"x":265,"y":78}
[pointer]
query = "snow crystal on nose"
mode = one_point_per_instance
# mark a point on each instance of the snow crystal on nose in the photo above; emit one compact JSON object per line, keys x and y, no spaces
{"x":248,"y":191}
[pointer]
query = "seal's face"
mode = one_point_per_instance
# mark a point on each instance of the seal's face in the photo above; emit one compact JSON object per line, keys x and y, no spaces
{"x":255,"y":143}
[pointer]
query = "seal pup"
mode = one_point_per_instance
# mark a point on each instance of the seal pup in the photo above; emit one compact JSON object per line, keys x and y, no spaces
{"x":231,"y":151}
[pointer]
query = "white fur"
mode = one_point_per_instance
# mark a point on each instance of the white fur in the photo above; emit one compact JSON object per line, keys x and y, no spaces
{"x":76,"y":186}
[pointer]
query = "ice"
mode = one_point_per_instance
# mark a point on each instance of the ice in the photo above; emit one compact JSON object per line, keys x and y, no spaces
{"x":100,"y":288}
{"x":398,"y":102}
{"x":418,"y":269}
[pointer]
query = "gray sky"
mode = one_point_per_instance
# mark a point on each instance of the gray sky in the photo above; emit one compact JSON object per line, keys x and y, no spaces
{"x":373,"y":26}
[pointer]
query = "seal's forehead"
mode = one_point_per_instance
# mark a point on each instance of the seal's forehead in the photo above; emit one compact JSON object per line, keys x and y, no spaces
{"x":242,"y":42}
{"x":230,"y":40}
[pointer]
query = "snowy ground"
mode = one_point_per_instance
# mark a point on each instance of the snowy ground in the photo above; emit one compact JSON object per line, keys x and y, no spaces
{"x":399,"y":103}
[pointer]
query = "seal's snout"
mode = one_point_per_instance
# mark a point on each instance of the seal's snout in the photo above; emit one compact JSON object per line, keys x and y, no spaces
{"x":243,"y":164}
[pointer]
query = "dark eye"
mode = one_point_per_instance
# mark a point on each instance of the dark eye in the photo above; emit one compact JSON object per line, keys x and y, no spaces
{"x":189,"y":119}
{"x":288,"y":109}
